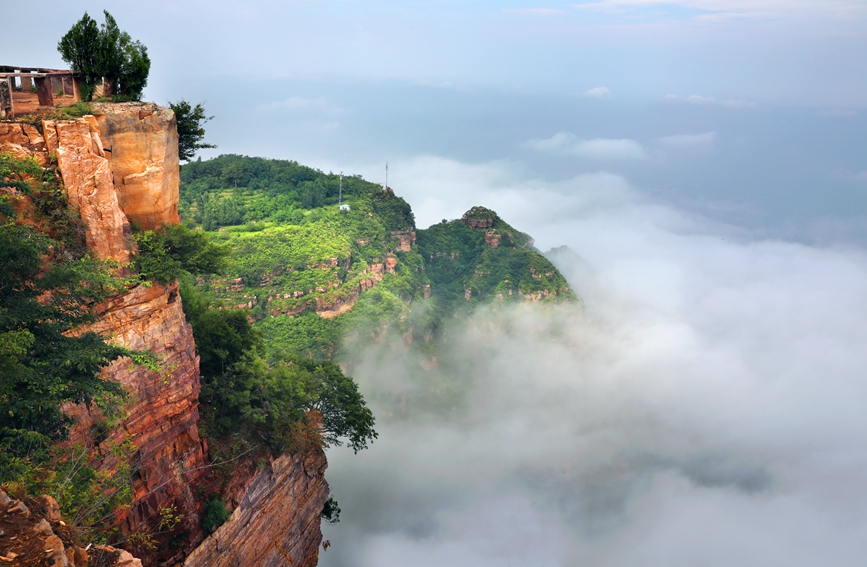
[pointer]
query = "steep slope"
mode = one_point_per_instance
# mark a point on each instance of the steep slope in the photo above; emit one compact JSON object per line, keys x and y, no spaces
{"x":311,"y":274}
{"x":480,"y":257}
{"x":162,"y":423}
{"x":116,"y":168}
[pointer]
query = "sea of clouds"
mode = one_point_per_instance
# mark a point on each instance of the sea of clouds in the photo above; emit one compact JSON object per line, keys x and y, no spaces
{"x":703,"y":406}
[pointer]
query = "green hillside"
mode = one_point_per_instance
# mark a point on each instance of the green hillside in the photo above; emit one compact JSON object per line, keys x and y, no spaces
{"x":309,"y":273}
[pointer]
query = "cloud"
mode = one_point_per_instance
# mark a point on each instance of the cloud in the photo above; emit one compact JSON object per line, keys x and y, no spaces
{"x":850,"y":175}
{"x":596,"y":149}
{"x":738,"y":9}
{"x":705,"y":100}
{"x":598,"y":92}
{"x":689,"y":141}
{"x":295,"y":102}
{"x":533,"y":11}
{"x":838,"y":112}
{"x":437,"y":84}
{"x":705,"y":406}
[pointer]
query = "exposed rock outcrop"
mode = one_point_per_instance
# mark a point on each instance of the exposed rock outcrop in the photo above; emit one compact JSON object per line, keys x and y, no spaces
{"x":117,"y":167}
{"x":406,"y":238}
{"x":89,"y":188}
{"x":276,"y":521}
{"x":33,"y":533}
{"x":163,"y":420}
{"x":143,"y":141}
{"x":479,"y":217}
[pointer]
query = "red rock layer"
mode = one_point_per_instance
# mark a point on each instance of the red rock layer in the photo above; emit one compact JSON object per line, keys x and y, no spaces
{"x":86,"y":176}
{"x":162,"y":421}
{"x":276,"y":521}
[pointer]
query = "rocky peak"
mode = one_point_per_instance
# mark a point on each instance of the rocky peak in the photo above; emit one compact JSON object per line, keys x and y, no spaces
{"x":479,"y":217}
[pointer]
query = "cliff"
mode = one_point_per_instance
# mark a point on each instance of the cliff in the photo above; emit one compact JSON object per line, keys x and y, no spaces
{"x":162,"y":421}
{"x":119,"y":167}
{"x":170,"y":457}
{"x":276,"y":519}
{"x":143,"y":141}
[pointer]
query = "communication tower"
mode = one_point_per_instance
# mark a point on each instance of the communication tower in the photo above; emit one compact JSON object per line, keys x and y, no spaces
{"x":340,"y":196}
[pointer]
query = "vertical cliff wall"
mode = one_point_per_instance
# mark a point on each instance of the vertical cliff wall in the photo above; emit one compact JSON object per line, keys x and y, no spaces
{"x":276,"y":521}
{"x":162,"y":422}
{"x":120,"y":166}
{"x":143,"y":141}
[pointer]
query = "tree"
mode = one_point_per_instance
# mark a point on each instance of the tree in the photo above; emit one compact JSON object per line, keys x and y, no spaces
{"x":124,"y":63}
{"x":79,"y":48}
{"x":41,"y":364}
{"x":191,"y":131}
{"x":97,"y":52}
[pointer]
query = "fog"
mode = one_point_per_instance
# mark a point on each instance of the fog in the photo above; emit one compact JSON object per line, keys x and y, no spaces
{"x":703,"y":406}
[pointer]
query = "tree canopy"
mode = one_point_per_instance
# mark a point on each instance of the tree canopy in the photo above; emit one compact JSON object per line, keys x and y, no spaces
{"x":96,"y":52}
{"x":191,"y":131}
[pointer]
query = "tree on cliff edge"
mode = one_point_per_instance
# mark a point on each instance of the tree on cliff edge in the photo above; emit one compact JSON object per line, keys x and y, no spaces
{"x":191,"y":130}
{"x":96,"y":52}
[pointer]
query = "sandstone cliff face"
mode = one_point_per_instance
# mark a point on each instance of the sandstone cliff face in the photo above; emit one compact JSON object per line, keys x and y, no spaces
{"x":163,"y":419}
{"x":170,"y":456}
{"x":118,"y":166}
{"x":87,"y":178}
{"x":276,"y":521}
{"x":143,"y":141}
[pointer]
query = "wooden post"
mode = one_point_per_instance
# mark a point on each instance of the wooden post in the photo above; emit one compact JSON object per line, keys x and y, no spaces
{"x":76,"y":88}
{"x":43,"y":91}
{"x":5,"y":99}
{"x":68,"y":89}
{"x":26,"y":82}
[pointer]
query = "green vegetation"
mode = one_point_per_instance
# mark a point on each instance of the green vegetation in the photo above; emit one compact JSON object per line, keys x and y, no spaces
{"x":295,"y":257}
{"x":215,"y":516}
{"x":331,"y":511}
{"x":47,"y":288}
{"x":191,"y":130}
{"x":468,"y":264}
{"x":243,"y":395}
{"x":97,"y":52}
{"x":167,"y":252}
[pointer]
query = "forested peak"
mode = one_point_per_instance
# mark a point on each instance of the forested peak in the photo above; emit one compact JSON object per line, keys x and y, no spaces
{"x":479,"y":217}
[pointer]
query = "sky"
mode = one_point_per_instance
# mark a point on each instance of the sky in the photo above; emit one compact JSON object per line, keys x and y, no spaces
{"x":705,"y":162}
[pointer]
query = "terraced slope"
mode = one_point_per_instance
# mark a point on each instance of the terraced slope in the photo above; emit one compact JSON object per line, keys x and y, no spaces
{"x":309,"y":273}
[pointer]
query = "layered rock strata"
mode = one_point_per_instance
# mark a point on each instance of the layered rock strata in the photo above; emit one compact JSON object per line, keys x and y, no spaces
{"x":121,"y":166}
{"x":276,"y":520}
{"x":162,"y":421}
{"x":87,"y":179}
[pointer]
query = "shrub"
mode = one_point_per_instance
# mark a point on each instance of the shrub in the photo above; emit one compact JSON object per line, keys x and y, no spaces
{"x":164,"y":253}
{"x":216,"y":515}
{"x":331,"y":511}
